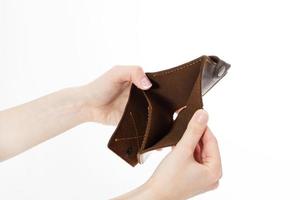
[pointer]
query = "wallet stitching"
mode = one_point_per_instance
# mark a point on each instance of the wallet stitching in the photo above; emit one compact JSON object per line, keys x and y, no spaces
{"x":136,"y":132}
{"x":148,"y":126}
{"x":180,"y":68}
{"x":127,"y":138}
{"x":177,"y":69}
{"x":149,"y":120}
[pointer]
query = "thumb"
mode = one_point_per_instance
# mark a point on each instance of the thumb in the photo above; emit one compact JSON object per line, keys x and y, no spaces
{"x":194,"y":131}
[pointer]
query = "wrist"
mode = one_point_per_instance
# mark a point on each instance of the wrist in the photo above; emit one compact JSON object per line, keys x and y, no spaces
{"x":80,"y":103}
{"x":162,"y":191}
{"x":145,"y":192}
{"x":151,"y":192}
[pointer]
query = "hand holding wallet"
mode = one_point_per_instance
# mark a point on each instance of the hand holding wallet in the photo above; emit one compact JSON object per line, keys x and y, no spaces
{"x":147,"y":122}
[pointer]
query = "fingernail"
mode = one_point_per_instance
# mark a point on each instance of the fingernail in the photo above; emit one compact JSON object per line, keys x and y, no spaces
{"x":145,"y":82}
{"x":201,"y":116}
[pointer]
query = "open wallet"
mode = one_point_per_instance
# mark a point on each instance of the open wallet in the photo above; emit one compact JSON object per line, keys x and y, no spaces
{"x":148,"y":120}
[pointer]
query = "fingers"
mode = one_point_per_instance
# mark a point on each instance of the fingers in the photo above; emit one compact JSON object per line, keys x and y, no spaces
{"x":194,"y":131}
{"x":134,"y":74}
{"x":210,"y":152}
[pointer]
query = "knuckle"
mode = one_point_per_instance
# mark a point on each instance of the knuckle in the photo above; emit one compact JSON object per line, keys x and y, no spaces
{"x":215,"y":176}
{"x":214,"y":186}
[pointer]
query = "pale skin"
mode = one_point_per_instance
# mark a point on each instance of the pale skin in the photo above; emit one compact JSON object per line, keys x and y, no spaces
{"x":192,"y":167}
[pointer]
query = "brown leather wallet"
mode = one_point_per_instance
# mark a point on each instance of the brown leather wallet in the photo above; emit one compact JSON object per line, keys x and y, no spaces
{"x":147,"y":122}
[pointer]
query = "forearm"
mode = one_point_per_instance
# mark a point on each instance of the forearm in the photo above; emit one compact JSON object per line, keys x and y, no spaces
{"x":29,"y":124}
{"x":145,"y":191}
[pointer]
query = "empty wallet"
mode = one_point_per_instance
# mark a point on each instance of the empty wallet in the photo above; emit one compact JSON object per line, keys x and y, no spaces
{"x":148,"y":120}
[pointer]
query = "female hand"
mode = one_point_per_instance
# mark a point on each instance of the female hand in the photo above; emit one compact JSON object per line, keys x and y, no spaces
{"x":102,"y":100}
{"x":106,"y":96}
{"x":192,"y":167}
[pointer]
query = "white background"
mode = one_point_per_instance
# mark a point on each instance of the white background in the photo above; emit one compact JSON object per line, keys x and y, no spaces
{"x":254,"y":110}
